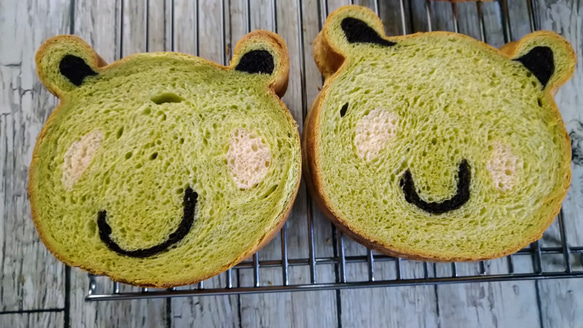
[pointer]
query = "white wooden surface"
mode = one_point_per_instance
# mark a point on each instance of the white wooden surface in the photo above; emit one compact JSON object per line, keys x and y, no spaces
{"x":562,"y":301}
{"x":30,"y":277}
{"x":32,"y":280}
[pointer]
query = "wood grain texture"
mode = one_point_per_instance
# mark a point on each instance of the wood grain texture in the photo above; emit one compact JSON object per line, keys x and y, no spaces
{"x":99,"y":22}
{"x":507,"y":304}
{"x":184,"y":15}
{"x":484,"y":304}
{"x":207,"y":311}
{"x":386,"y":307}
{"x":561,"y":301}
{"x":29,"y":320}
{"x":199,"y":31}
{"x":134,"y":313}
{"x":30,"y":278}
{"x":309,"y":309}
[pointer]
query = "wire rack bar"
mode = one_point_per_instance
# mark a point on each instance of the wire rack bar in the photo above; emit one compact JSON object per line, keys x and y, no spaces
{"x":342,"y":261}
{"x":481,"y":21}
{"x":456,"y":23}
{"x":256,"y":269}
{"x":429,"y":15}
{"x":376,"y":265}
{"x":510,"y":260}
{"x":230,"y":278}
{"x":564,"y":246}
{"x":331,"y":286}
{"x":385,"y":258}
{"x":370,"y":260}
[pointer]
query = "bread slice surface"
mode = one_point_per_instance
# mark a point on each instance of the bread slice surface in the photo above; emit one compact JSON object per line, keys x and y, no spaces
{"x":137,"y":174}
{"x":435,"y":145}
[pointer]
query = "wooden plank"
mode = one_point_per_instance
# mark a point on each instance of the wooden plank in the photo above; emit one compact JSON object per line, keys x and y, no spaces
{"x":211,"y":30}
{"x":486,"y":304}
{"x":27,"y":320}
{"x":463,"y":305}
{"x":392,"y":307}
{"x":314,"y":13}
{"x":561,"y":300}
{"x":391,"y":12}
{"x":414,"y":306}
{"x":30,"y":278}
{"x":213,"y":40}
{"x":466,"y":17}
{"x":207,"y":311}
{"x":493,"y":23}
{"x":505,"y":304}
{"x":239,"y":18}
{"x":310,"y":309}
{"x":185,"y":27}
{"x":134,"y":313}
{"x":159,"y":29}
{"x":99,"y":23}
{"x":134,"y":27}
{"x":518,"y":27}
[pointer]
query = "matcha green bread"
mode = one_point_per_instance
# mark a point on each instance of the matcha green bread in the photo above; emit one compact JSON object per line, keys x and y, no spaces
{"x":435,"y":146}
{"x":163,"y":169}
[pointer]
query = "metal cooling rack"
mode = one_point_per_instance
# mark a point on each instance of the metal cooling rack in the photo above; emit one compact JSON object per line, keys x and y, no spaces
{"x":368,"y":268}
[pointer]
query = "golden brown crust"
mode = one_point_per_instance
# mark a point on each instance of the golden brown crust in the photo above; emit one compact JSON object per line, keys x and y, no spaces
{"x":329,"y":60}
{"x":278,"y":87}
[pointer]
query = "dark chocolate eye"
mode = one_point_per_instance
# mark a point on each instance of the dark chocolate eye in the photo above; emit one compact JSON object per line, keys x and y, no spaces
{"x":343,"y":110}
{"x":540,"y":61}
{"x":256,"y":61}
{"x":357,"y":31}
{"x":75,"y":69}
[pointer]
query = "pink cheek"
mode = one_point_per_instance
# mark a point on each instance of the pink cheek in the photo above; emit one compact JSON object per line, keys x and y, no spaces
{"x":374,"y":131}
{"x":502,"y":165}
{"x":248,"y":158}
{"x":78,"y":157}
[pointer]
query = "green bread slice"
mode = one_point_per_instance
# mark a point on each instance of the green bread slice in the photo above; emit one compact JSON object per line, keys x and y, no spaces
{"x":163,"y":169}
{"x":437,"y":146}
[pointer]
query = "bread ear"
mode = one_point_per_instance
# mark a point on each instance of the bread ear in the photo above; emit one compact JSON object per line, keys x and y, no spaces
{"x":353,"y":25}
{"x":65,"y":62}
{"x":547,"y":55}
{"x":263,"y":52}
{"x":345,"y":29}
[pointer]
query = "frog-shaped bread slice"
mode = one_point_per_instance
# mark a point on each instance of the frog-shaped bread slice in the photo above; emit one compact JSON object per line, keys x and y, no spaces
{"x":434,"y":145}
{"x":163,"y":169}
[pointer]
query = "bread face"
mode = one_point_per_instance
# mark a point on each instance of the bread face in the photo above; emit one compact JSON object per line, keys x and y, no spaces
{"x":163,"y":169}
{"x":434,"y":145}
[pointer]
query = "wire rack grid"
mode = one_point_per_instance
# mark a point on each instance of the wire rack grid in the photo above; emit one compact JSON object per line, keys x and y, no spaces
{"x":367,"y":268}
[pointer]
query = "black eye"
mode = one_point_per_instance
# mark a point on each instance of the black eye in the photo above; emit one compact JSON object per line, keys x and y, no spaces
{"x":540,"y":61}
{"x":343,"y":110}
{"x":75,"y":69}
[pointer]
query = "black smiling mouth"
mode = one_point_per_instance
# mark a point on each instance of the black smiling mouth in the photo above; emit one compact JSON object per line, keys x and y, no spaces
{"x":190,"y":200}
{"x":460,"y":198}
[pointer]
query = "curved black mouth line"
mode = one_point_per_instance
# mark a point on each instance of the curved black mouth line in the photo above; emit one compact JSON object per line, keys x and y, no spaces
{"x":190,"y":199}
{"x":460,"y":198}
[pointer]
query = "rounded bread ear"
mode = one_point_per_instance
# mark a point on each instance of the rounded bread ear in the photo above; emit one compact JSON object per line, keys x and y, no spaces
{"x":65,"y":62}
{"x":354,"y":25}
{"x":545,"y":54}
{"x":347,"y":29}
{"x":263,"y":52}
